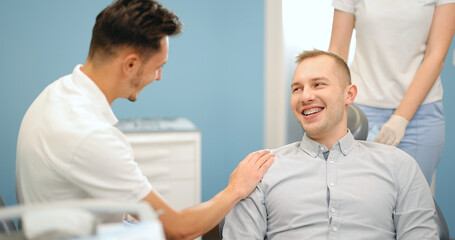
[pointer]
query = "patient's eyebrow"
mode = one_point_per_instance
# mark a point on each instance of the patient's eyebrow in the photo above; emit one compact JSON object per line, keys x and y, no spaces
{"x":294,"y":84}
{"x":320,"y":78}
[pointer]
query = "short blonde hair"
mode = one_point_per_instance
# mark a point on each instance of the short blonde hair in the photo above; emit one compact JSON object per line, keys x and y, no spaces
{"x":338,"y":60}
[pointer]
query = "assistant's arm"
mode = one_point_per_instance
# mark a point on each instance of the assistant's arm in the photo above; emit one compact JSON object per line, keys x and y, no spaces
{"x":414,"y":214}
{"x":342,"y":28}
{"x":438,"y":44}
{"x":194,"y":221}
{"x":439,"y":40}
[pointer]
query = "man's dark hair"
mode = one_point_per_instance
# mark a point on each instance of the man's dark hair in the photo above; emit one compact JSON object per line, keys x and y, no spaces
{"x":140,"y":24}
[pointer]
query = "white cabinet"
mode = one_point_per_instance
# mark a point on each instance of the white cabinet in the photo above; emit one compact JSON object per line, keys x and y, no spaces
{"x":169,"y":155}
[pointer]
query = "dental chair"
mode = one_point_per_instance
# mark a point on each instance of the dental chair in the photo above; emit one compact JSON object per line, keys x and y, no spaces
{"x":6,"y":226}
{"x":357,"y":122}
{"x":85,"y":219}
{"x":443,"y":230}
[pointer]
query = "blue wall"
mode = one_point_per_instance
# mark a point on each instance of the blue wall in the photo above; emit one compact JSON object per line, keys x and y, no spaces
{"x":38,"y":43}
{"x":445,"y":190}
{"x":214,"y":75}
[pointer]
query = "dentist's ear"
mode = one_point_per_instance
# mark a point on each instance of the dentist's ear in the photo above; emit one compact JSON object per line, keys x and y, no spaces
{"x":351,"y":93}
{"x":130,"y":64}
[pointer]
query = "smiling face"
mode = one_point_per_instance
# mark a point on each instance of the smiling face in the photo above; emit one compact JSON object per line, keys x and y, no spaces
{"x":149,"y":71}
{"x":320,"y":97}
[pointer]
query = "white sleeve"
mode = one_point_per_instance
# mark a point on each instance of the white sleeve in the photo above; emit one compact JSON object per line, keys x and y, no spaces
{"x":440,"y":2}
{"x":103,"y":165}
{"x":344,"y":5}
{"x":247,"y":220}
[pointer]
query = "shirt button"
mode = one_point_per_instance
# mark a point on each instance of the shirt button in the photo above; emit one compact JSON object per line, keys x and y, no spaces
{"x":344,"y":151}
{"x":333,"y":210}
{"x":331,"y":161}
{"x":332,"y":184}
{"x":334,"y":228}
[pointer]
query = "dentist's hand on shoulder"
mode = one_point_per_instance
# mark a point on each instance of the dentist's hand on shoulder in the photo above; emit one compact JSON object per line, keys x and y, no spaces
{"x":392,"y":132}
{"x":194,"y":221}
{"x":249,"y":172}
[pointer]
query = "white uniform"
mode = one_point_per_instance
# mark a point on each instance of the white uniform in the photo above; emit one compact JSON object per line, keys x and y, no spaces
{"x":68,"y":147}
{"x":391,"y":38}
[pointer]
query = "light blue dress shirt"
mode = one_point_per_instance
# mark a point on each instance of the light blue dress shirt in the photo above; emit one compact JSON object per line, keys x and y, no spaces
{"x":363,"y":190}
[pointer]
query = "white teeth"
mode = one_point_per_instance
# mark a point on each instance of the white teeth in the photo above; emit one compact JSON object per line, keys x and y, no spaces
{"x":312,"y":111}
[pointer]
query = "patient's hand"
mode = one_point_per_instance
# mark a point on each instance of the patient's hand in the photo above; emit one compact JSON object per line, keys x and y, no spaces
{"x":249,"y":172}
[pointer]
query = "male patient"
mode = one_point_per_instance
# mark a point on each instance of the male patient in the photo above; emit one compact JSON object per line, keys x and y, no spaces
{"x":330,"y":186}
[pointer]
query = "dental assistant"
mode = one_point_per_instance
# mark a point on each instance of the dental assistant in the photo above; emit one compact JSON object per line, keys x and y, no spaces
{"x":400,"y":52}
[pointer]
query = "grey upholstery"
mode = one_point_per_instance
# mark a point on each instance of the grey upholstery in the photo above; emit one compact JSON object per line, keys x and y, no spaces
{"x":443,"y":230}
{"x":6,"y":226}
{"x":357,"y":122}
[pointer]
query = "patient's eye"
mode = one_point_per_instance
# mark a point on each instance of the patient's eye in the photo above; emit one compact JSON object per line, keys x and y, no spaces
{"x":319,"y":84}
{"x":296,"y":89}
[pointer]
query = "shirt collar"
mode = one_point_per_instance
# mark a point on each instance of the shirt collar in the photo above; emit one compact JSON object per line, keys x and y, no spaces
{"x":312,"y":148}
{"x":85,"y":84}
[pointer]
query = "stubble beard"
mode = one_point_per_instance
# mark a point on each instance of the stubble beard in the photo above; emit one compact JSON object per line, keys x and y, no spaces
{"x":134,"y":83}
{"x":320,"y":129}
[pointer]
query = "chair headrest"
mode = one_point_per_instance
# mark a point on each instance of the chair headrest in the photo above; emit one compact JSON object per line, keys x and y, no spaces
{"x":357,"y":122}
